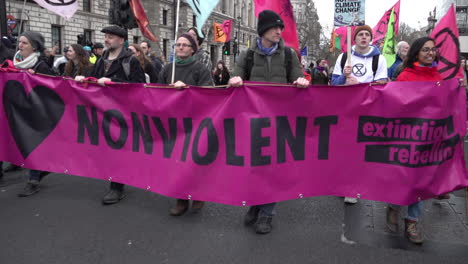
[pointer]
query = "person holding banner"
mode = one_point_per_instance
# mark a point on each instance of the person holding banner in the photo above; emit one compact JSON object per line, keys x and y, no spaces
{"x":188,"y":71}
{"x":367,"y":64}
{"x":31,"y":57}
{"x":78,"y":62}
{"x":117,"y":64}
{"x":420,"y":65}
{"x":320,"y":73}
{"x":268,"y":60}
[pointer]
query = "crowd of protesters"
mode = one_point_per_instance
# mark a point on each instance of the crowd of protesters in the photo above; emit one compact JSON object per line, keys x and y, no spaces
{"x":268,"y":60}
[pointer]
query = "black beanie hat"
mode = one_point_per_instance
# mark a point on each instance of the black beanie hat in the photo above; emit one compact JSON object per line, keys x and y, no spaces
{"x":268,"y":19}
{"x":36,"y":39}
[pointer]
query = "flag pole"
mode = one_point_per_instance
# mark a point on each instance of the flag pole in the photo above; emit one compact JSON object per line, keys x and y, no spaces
{"x":175,"y":40}
{"x":21,"y":24}
{"x":348,"y":43}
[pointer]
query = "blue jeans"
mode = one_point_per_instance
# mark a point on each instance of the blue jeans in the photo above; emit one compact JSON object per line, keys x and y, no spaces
{"x":414,"y":210}
{"x":266,"y":209}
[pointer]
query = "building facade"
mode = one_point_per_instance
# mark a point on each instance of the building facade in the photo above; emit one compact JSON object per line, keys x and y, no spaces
{"x":92,"y":16}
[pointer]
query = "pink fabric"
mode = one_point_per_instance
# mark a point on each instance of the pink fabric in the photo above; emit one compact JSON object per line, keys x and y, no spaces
{"x":285,"y":10}
{"x":447,"y":40}
{"x":342,"y":31}
{"x":227,"y":27}
{"x":345,"y":158}
{"x":380,"y":30}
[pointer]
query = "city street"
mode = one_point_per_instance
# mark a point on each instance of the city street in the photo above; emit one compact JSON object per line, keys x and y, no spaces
{"x":66,"y":223}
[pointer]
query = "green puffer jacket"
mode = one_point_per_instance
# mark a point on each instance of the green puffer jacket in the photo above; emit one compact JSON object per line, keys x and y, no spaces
{"x":269,"y":68}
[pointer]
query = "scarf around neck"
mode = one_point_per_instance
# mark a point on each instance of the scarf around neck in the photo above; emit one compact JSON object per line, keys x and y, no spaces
{"x":181,"y":61}
{"x":266,"y":51}
{"x":27,"y":63}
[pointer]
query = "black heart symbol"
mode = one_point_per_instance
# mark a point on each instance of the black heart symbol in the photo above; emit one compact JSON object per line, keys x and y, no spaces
{"x":31,"y":117}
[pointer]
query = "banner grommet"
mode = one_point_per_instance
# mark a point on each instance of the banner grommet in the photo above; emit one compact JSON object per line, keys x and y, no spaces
{"x":189,"y":197}
{"x":243,"y":203}
{"x":301,"y":196}
{"x":65,"y":171}
{"x":148,"y":187}
{"x":358,"y":196}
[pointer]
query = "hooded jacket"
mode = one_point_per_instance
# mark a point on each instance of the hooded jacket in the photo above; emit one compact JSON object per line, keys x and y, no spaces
{"x":420,"y":73}
{"x":116,"y":71}
{"x":362,"y":67}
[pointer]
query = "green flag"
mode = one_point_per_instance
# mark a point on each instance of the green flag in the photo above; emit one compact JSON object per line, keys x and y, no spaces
{"x":337,"y":43}
{"x":390,"y":42}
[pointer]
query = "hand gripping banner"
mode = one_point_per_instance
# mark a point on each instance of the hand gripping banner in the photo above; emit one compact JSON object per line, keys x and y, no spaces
{"x":257,"y":144}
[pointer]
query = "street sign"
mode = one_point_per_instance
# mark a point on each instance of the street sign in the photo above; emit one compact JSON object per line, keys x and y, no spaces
{"x":11,"y":22}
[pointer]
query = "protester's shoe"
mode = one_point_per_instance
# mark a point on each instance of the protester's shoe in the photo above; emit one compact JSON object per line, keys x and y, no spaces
{"x":11,"y":167}
{"x":180,"y":208}
{"x":443,"y":196}
{"x":350,"y":200}
{"x":412,"y":232}
{"x":263,"y":225}
{"x":251,"y":216}
{"x":197,"y":206}
{"x":31,"y":188}
{"x":114,"y":195}
{"x":393,"y":217}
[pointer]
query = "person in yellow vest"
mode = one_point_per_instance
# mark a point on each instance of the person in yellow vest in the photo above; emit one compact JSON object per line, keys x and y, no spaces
{"x":98,"y":49}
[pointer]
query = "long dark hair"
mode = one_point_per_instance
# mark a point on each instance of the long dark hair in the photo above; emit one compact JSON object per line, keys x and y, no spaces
{"x":83,"y":61}
{"x":223,"y":71}
{"x":142,"y":58}
{"x":413,"y":52}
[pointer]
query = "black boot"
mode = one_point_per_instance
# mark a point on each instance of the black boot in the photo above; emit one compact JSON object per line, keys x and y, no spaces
{"x":263,"y":225}
{"x":32,"y":187}
{"x":251,"y":216}
{"x":115,"y":194}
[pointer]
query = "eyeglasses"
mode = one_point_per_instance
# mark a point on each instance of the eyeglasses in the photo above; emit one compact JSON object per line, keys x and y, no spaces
{"x":183,"y":45}
{"x":426,"y":50}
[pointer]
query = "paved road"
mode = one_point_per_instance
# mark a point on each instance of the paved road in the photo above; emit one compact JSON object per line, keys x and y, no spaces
{"x":66,"y":223}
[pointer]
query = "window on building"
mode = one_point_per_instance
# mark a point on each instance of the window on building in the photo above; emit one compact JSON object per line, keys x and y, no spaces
{"x":88,"y":37}
{"x":194,"y":23}
{"x":87,"y":5}
{"x":164,"y":17}
{"x":57,"y":37}
{"x":136,"y":39}
{"x":165,"y":46}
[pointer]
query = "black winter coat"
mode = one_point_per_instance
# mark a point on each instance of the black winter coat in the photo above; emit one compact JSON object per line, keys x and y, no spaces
{"x":116,"y":70}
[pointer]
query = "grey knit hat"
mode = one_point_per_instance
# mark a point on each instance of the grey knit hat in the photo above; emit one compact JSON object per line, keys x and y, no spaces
{"x":36,"y":39}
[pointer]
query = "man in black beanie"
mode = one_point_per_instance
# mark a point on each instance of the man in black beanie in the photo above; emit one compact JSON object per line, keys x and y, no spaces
{"x":268,"y":60}
{"x":117,"y":64}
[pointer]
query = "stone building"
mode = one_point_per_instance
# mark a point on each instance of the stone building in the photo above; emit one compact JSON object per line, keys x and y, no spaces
{"x":92,"y":16}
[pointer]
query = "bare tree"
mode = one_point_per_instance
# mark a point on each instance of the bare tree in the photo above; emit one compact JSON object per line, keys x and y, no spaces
{"x":409,"y":34}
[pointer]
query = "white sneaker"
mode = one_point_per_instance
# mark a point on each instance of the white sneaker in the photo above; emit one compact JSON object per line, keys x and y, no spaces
{"x":350,"y":200}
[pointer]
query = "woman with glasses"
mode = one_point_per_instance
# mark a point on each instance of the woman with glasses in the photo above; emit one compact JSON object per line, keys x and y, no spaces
{"x":188,"y":71}
{"x":420,"y":65}
{"x":78,"y":62}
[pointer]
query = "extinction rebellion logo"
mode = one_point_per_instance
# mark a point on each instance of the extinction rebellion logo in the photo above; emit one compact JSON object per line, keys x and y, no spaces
{"x":429,"y":141}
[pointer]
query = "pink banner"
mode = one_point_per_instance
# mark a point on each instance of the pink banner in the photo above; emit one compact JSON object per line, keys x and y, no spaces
{"x":342,"y":32}
{"x":447,"y":40}
{"x":285,"y":10}
{"x":380,"y":30}
{"x":242,"y":146}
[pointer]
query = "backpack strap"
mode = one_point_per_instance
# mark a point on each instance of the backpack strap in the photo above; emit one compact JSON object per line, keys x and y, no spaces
{"x":249,"y":59}
{"x":375,"y":63}
{"x":343,"y":60}
{"x":288,"y":63}
{"x":126,"y":67}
